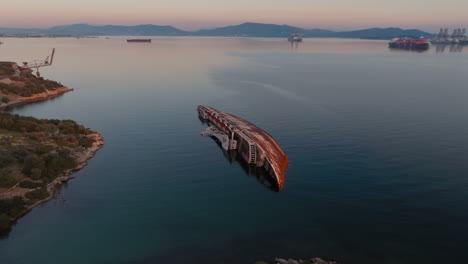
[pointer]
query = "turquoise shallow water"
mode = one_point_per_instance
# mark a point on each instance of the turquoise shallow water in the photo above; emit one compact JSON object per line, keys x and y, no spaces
{"x":376,"y":140}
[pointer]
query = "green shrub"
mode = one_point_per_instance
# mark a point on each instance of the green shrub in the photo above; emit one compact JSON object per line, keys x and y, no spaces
{"x":31,"y":124}
{"x":31,"y":162}
{"x":4,"y":222}
{"x":6,"y":160}
{"x":55,"y":165}
{"x":6,"y":68}
{"x":5,"y":100}
{"x":42,"y":149}
{"x":7,"y":180}
{"x":37,"y":195}
{"x":17,"y":78}
{"x":36,"y":174}
{"x":32,"y":84}
{"x":31,"y":185}
{"x":13,"y":207}
{"x":86,"y":142}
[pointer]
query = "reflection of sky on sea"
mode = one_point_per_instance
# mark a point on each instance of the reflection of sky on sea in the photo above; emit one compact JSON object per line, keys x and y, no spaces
{"x":376,"y":141}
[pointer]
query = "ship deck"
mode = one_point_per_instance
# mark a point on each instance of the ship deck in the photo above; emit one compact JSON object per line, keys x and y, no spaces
{"x":274,"y":153}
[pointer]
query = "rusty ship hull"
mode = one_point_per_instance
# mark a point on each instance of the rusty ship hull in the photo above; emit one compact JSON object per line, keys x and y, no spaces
{"x":255,"y":146}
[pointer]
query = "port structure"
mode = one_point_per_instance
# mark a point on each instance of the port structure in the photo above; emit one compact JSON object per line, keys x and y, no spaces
{"x":36,"y":64}
{"x":255,"y":146}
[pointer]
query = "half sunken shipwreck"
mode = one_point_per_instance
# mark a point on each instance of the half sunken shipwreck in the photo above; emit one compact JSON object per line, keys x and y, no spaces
{"x":254,"y":145}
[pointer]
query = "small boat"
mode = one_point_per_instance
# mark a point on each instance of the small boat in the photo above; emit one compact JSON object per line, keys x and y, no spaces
{"x":139,"y":40}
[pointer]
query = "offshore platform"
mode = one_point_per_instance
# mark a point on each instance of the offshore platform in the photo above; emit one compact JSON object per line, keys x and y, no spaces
{"x":255,"y":146}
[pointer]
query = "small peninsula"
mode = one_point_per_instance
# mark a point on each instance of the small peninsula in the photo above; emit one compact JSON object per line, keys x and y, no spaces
{"x":21,"y":87}
{"x":36,"y":155}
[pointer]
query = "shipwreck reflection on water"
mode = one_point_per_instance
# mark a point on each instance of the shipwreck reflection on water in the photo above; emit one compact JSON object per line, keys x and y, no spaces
{"x":261,"y":175}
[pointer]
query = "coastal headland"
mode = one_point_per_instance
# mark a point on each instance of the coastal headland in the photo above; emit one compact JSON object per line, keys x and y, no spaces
{"x":36,"y":155}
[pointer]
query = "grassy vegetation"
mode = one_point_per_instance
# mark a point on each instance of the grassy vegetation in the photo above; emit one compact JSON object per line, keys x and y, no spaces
{"x":31,"y":185}
{"x":6,"y":178}
{"x":10,"y":209}
{"x":25,"y":84}
{"x":34,"y":152}
{"x":6,"y":69}
{"x":37,"y":194}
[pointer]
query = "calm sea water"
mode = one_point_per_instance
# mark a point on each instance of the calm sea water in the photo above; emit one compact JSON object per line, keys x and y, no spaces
{"x":377,"y":141}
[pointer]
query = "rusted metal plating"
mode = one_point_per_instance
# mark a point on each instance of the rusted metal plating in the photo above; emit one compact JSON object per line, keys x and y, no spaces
{"x":256,"y":146}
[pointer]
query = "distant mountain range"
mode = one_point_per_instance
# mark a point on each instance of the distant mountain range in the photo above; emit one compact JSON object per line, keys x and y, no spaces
{"x":242,"y":30}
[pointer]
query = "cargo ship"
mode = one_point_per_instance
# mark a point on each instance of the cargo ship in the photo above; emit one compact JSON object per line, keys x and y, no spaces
{"x":255,"y":146}
{"x":139,"y":40}
{"x":411,"y":44}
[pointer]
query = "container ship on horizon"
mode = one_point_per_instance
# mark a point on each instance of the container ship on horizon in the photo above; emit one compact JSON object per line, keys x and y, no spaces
{"x":139,"y":40}
{"x":410,"y":44}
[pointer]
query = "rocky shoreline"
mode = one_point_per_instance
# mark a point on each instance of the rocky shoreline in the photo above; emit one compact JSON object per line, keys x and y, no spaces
{"x":16,"y":100}
{"x":59,"y":181}
{"x":19,"y":89}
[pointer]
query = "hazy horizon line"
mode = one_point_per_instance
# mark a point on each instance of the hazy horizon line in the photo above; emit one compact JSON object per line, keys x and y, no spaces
{"x":207,"y":28}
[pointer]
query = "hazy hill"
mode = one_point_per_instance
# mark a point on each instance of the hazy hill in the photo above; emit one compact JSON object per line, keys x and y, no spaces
{"x":243,"y":30}
{"x":251,"y":30}
{"x":26,"y":31}
{"x":110,"y":30}
{"x":283,"y":31}
{"x":318,"y":33}
{"x":383,"y":33}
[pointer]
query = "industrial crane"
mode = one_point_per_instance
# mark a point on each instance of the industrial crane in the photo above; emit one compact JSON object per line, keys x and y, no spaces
{"x":36,"y":64}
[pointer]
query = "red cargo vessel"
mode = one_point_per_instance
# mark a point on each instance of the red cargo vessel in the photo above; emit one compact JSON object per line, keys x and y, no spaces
{"x":413,"y":44}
